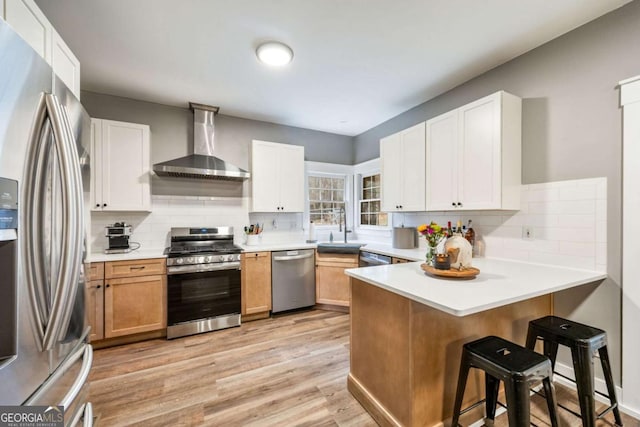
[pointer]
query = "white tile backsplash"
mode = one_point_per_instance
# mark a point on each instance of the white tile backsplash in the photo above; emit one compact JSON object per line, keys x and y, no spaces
{"x":151,"y":229}
{"x":568,"y":219}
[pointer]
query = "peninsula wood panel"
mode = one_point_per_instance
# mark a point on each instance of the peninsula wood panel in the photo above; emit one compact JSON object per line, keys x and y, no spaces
{"x":94,"y":303}
{"x":405,"y":356}
{"x":256,"y":283}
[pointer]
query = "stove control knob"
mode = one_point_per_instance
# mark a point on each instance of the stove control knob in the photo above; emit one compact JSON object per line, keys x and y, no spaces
{"x":179,"y":260}
{"x":190,"y":260}
{"x":207,"y":259}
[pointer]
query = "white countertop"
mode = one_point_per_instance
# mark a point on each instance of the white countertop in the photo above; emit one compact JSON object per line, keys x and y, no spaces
{"x":499,"y":283}
{"x":137,"y":254}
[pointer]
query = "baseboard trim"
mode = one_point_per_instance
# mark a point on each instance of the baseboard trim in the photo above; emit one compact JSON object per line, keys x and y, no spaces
{"x":600,"y":386}
{"x":377,"y":411}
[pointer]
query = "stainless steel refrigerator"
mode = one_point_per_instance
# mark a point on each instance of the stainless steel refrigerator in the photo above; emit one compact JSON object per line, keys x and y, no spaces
{"x":44,"y":183}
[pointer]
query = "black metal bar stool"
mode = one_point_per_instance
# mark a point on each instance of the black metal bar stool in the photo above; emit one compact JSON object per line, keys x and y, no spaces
{"x":518,"y":367}
{"x":583,"y":341}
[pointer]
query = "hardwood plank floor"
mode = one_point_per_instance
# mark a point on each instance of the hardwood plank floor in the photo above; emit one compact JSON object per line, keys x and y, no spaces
{"x":285,"y":371}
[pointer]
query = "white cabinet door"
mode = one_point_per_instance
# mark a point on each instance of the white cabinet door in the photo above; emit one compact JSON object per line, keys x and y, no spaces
{"x":65,"y":64}
{"x":402,"y":170}
{"x":277,"y":177}
{"x":2,"y":9}
{"x":478,"y":147}
{"x":479,"y":164}
{"x":96,"y":164}
{"x":291,"y":178}
{"x":30,"y":23}
{"x":122,"y":177}
{"x":442,"y":162}
{"x":390,"y":172}
{"x":265,"y":179}
{"x":413,"y":169}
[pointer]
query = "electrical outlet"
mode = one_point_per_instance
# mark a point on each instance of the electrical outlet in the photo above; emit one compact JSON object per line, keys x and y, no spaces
{"x":527,"y":232}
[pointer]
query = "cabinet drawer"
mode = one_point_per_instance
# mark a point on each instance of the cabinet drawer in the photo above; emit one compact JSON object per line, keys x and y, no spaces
{"x":135,"y":268}
{"x":95,"y":271}
{"x":347,"y":259}
{"x":248,"y":255}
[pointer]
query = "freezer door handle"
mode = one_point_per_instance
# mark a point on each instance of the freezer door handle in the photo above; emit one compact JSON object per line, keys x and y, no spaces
{"x":87,"y":361}
{"x":88,"y":415}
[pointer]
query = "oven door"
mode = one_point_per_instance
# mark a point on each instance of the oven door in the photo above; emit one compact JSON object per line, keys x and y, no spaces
{"x":202,"y":295}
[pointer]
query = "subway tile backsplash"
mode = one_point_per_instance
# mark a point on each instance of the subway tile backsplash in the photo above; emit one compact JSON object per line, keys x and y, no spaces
{"x":568,"y":220}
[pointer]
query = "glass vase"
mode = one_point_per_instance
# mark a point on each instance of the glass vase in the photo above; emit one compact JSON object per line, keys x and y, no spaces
{"x":431,"y":255}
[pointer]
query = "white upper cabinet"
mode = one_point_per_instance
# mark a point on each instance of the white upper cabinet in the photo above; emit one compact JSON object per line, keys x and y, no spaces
{"x":65,"y":64}
{"x":120,"y":167}
{"x":2,"y":9}
{"x":402,"y":169}
{"x":26,"y":18}
{"x":277,"y":177}
{"x":474,"y":156}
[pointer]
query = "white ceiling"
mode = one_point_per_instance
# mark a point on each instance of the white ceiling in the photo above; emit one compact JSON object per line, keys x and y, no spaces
{"x":356,"y":63}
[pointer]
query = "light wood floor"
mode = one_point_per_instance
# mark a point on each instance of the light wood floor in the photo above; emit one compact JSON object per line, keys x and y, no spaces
{"x":286,"y":371}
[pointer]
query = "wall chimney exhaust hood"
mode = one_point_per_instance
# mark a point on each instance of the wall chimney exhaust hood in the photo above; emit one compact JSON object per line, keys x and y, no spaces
{"x":202,"y":164}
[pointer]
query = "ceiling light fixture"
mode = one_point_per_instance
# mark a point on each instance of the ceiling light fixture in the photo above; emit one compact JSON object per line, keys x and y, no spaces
{"x":274,"y":53}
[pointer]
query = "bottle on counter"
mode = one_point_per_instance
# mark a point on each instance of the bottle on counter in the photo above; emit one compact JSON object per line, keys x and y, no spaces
{"x":449,"y":230}
{"x":458,"y":227}
{"x":470,"y":235}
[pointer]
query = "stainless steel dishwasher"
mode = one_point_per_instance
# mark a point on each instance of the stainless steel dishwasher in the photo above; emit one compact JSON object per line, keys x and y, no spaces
{"x":293,"y":279}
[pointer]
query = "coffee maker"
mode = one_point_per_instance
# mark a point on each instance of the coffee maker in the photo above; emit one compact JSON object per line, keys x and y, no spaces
{"x":118,"y":235}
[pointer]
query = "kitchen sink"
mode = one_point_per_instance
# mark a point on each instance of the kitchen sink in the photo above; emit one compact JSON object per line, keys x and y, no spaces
{"x":339,"y":248}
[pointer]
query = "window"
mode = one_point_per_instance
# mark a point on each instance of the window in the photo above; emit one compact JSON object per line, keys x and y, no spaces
{"x":370,"y":214}
{"x":326,"y":198}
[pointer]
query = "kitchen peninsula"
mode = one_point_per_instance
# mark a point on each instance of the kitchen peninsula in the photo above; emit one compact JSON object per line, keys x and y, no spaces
{"x":408,"y":328}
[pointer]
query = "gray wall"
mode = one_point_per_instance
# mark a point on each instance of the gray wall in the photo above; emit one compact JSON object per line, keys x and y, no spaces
{"x":172,"y":131}
{"x":571,"y":129}
{"x":172,"y":137}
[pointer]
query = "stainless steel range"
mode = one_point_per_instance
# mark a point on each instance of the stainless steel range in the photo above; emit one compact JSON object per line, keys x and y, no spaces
{"x":203,"y":286}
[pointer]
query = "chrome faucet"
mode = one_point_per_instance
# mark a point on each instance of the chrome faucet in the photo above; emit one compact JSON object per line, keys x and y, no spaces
{"x":344,"y":217}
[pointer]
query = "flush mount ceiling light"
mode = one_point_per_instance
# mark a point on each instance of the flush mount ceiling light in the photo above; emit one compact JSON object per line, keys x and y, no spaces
{"x":274,"y":53}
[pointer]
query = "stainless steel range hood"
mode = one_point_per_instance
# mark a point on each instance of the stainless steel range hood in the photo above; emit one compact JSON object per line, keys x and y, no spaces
{"x":202,"y":164}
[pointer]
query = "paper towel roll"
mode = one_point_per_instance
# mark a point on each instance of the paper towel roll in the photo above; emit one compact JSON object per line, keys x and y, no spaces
{"x":312,"y":232}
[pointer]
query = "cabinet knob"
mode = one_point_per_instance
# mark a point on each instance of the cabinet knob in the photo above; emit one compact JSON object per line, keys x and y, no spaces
{"x":98,"y":287}
{"x":97,"y":205}
{"x":104,"y":205}
{"x":459,"y":204}
{"x":107,"y":285}
{"x":453,"y":204}
{"x":400,"y":206}
{"x":256,"y":254}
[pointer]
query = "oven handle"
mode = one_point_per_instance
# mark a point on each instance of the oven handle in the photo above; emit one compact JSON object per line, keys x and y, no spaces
{"x":292,"y":257}
{"x":182,"y":269}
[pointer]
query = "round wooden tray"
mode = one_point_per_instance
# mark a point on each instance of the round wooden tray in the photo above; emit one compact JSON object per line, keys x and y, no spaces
{"x":467,"y":273}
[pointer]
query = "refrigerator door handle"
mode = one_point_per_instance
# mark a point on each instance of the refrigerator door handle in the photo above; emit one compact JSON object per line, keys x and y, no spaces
{"x":32,"y":215}
{"x":65,"y":289}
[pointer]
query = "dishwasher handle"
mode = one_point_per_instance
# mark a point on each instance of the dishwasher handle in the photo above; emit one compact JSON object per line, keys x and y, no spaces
{"x":292,"y":257}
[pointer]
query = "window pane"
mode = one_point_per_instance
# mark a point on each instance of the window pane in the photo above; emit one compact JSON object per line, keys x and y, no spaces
{"x":314,"y":195}
{"x":313,"y":182}
{"x":367,"y":181}
{"x":325,"y":183}
{"x":375,"y":193}
{"x":376,"y":180}
{"x":375,"y":206}
{"x":373,"y":219}
{"x":364,"y":207}
{"x":382,"y":219}
{"x":338,"y":195}
{"x":366,"y":195}
{"x":364,"y":219}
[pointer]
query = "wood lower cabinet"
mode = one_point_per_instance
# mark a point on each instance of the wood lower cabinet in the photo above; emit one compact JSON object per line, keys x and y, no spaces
{"x":256,"y":285}
{"x":94,"y":303}
{"x":332,"y":285}
{"x":134,"y":304}
{"x":125,"y":298}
